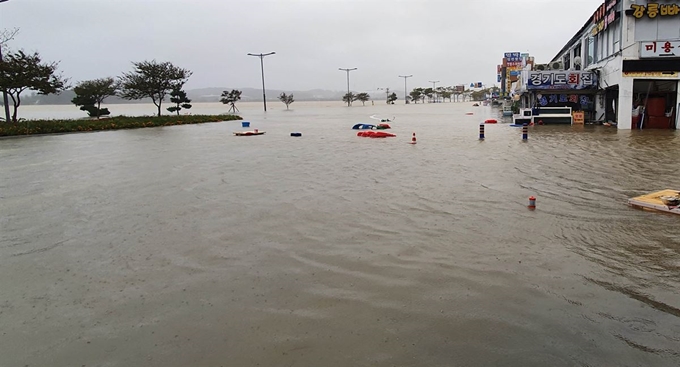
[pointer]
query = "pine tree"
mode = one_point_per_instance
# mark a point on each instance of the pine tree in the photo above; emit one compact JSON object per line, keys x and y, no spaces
{"x":179,"y":98}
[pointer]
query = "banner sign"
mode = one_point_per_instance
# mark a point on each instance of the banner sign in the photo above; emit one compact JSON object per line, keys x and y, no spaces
{"x":653,"y":10}
{"x":513,"y":57}
{"x":650,"y":74}
{"x":601,"y":12}
{"x":561,"y":80}
{"x":660,"y":49}
{"x":553,"y":100}
{"x":604,"y":23}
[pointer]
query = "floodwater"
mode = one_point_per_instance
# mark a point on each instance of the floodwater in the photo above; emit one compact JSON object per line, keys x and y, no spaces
{"x":187,"y":246}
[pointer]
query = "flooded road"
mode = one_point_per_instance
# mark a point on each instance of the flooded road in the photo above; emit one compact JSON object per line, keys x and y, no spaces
{"x":187,"y":246}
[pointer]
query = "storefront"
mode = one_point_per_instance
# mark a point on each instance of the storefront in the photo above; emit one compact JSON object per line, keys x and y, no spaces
{"x":655,"y":99}
{"x":650,"y":72}
{"x":654,"y":103}
{"x":573,"y":89}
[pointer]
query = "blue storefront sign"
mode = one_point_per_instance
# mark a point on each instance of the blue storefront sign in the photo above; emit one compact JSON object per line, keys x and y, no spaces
{"x":513,"y":57}
{"x":539,"y":80}
{"x":575,"y":101}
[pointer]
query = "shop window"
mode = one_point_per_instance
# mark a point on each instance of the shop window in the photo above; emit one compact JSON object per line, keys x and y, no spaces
{"x":605,"y":44}
{"x":617,"y":36}
{"x":590,"y":52}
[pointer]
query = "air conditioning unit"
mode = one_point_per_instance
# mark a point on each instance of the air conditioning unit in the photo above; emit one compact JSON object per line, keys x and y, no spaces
{"x":541,"y":67}
{"x":556,"y":65}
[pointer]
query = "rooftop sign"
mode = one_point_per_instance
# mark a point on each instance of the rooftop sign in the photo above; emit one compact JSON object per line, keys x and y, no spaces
{"x":653,"y":10}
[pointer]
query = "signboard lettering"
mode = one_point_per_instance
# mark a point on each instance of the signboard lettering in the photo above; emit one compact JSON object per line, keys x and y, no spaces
{"x":611,"y":4}
{"x":660,"y":49}
{"x":652,"y":10}
{"x":605,"y":22}
{"x":579,"y":117}
{"x":513,"y":55}
{"x":560,"y":99}
{"x":561,"y":80}
{"x":651,"y":74}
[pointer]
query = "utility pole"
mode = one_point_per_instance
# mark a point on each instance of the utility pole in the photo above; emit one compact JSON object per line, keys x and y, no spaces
{"x":387,"y":93}
{"x":261,"y":56}
{"x":348,"y":70}
{"x":434,"y":82}
{"x":405,"y":95}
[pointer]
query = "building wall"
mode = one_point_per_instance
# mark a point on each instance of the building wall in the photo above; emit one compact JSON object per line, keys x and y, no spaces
{"x":629,"y":50}
{"x":609,"y":46}
{"x":657,"y":28}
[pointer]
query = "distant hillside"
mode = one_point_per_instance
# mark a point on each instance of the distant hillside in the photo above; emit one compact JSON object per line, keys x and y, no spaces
{"x":196,"y":95}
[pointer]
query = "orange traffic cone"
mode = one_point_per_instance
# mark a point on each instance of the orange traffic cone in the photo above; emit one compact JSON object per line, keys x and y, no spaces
{"x":413,"y":139}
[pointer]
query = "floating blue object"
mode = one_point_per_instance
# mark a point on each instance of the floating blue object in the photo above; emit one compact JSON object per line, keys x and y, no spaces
{"x":245,"y":124}
{"x":295,"y":134}
{"x":363,"y":127}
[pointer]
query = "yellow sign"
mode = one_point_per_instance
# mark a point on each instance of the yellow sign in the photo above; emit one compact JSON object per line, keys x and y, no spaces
{"x":579,"y":117}
{"x":604,"y":23}
{"x":651,"y":74}
{"x":652,"y":10}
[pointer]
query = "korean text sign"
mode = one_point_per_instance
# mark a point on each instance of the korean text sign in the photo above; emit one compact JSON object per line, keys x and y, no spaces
{"x":660,"y":49}
{"x":561,"y":80}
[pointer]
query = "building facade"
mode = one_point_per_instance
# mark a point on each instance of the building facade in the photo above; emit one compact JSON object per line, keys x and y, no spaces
{"x":633,"y":47}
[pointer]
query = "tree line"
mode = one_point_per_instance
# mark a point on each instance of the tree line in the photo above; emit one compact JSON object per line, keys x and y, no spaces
{"x":22,"y":71}
{"x":439,"y":94}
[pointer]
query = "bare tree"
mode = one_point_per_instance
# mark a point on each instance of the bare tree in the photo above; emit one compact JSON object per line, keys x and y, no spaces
{"x":6,"y":35}
{"x":287,"y":99}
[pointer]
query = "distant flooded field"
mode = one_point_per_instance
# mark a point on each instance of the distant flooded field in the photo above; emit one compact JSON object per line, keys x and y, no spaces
{"x":188,"y":246}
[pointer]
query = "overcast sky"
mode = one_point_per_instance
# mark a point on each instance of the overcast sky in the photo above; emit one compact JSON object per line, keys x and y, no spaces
{"x":452,"y":41}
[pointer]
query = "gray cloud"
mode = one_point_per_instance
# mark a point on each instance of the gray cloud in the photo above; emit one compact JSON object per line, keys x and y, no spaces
{"x":451,"y":41}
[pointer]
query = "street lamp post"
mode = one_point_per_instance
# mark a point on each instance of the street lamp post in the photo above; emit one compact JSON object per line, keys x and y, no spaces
{"x":405,"y":95}
{"x":347,"y":70}
{"x":261,"y":56}
{"x":434,"y":82}
{"x":5,"y":100}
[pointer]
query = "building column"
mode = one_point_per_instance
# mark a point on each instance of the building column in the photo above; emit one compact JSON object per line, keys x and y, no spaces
{"x":677,"y":107}
{"x":625,"y":112}
{"x":598,"y":100}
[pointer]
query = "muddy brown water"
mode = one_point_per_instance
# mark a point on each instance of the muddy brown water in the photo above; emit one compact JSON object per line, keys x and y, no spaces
{"x":187,"y":246}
